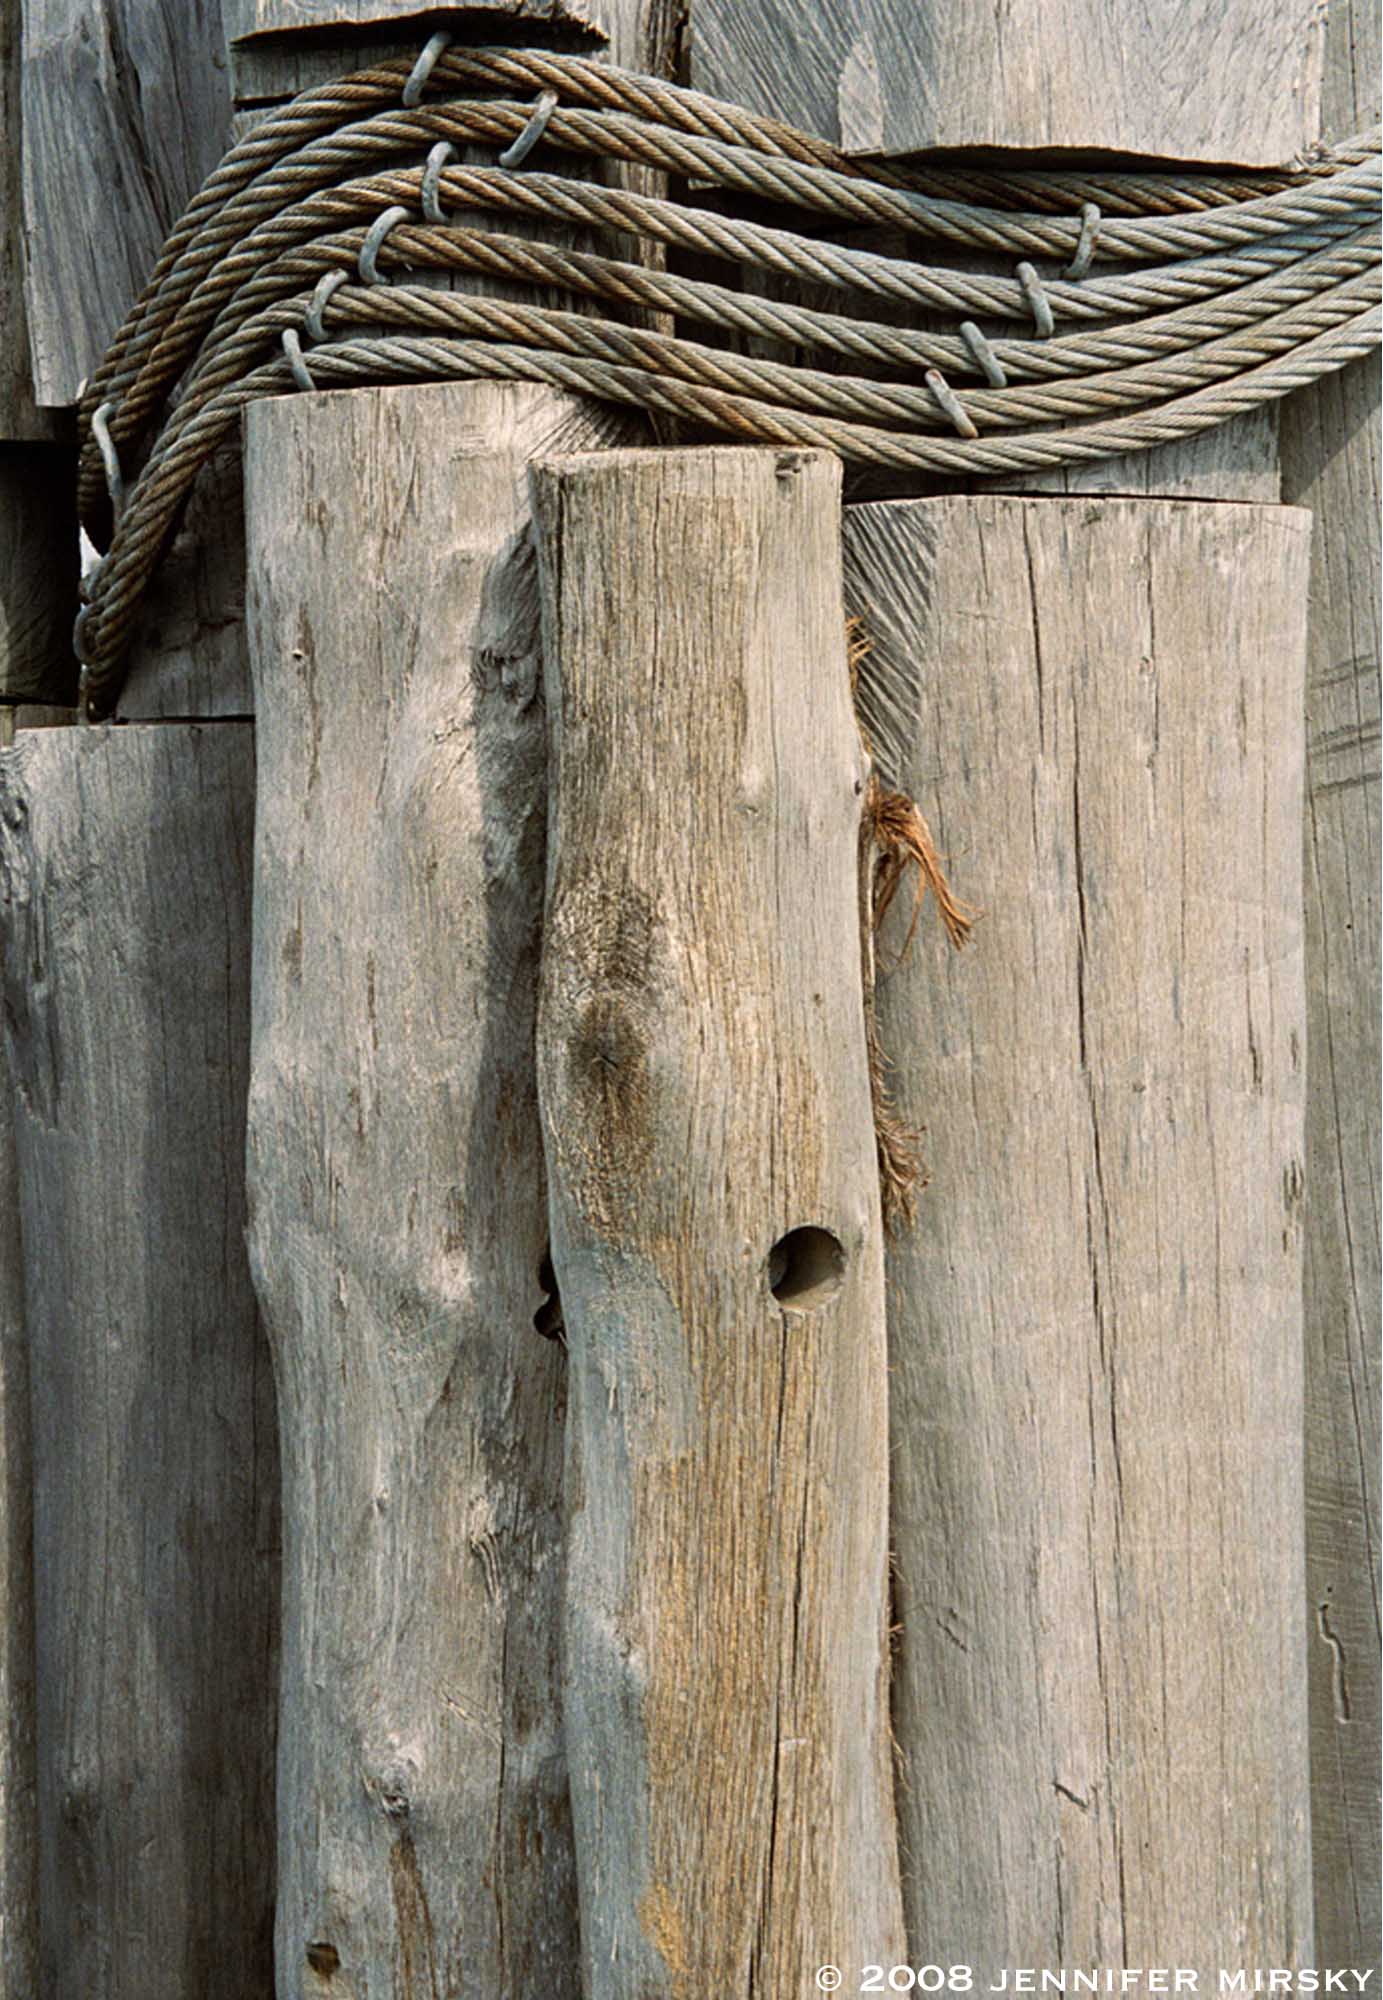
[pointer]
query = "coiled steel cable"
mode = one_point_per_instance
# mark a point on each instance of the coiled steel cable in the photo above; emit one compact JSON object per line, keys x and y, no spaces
{"x":1209,"y":294}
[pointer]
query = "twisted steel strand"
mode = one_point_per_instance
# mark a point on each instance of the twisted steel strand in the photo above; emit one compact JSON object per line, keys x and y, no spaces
{"x":1212,"y":293}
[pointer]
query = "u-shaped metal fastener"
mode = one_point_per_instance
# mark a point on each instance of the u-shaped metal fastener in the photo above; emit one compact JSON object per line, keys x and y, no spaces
{"x":515,"y":155}
{"x":374,"y":238}
{"x":411,"y":95}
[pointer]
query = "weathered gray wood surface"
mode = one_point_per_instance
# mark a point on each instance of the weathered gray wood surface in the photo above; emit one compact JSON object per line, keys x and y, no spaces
{"x":1235,"y":80}
{"x":19,"y":416}
{"x":1095,"y":1328}
{"x":38,"y":573}
{"x":126,"y":107}
{"x":19,"y":1953}
{"x":267,"y":17}
{"x":399,"y":1224}
{"x":18,"y":1772}
{"x":702,"y":1071}
{"x":278,"y":47}
{"x":1235,"y":461}
{"x":124,"y":865}
{"x":1330,"y":463}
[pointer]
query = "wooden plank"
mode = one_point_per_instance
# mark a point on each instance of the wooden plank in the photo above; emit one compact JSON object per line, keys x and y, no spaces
{"x":124,"y":865}
{"x":279,"y":47}
{"x":1095,"y":1329}
{"x":399,"y":1225}
{"x":38,"y":573}
{"x":1209,"y":80}
{"x":709,"y":1137}
{"x":274,"y":68}
{"x":244,"y":18}
{"x":19,"y":415}
{"x":18,"y":1770}
{"x":1330,"y":463}
{"x":126,"y":108}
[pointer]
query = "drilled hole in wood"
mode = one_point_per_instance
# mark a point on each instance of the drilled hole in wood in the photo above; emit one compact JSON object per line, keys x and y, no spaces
{"x":548,"y":1319}
{"x":324,"y":1959}
{"x":806,"y":1268}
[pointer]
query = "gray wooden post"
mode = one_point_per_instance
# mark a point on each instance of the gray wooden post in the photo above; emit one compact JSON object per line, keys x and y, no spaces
{"x":124,"y":858}
{"x":716,"y":1230}
{"x":1330,"y":463}
{"x":38,"y":569}
{"x":424,"y":1829}
{"x":126,"y":962}
{"x":1095,"y":1327}
{"x":399,"y":1230}
{"x":279,"y":47}
{"x":18,"y":1772}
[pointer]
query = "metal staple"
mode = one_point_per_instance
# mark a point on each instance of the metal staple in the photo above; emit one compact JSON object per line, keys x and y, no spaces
{"x":515,"y":155}
{"x":1215,"y":293}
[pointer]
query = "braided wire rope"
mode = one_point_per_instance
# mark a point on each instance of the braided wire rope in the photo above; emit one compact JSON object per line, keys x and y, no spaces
{"x":313,"y":255}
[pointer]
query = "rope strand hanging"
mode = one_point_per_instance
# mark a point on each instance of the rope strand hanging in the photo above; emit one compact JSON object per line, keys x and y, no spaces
{"x":1127,"y":310}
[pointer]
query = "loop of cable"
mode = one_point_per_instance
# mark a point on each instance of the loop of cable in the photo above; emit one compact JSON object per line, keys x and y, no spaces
{"x":1122,"y":310}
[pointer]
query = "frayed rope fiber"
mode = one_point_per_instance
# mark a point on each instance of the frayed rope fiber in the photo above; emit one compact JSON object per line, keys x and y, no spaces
{"x":1126,"y":310}
{"x":895,"y":838}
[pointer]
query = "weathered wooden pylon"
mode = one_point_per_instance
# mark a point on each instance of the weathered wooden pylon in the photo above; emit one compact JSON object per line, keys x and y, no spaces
{"x":399,"y":1228}
{"x":1330,"y":463}
{"x":124,"y":858}
{"x":1096,"y":1326}
{"x":716,"y":1233}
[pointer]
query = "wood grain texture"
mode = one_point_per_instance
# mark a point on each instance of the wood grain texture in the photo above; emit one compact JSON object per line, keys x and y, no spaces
{"x":704,"y":1092}
{"x":38,"y":573}
{"x":398,"y":1217}
{"x":18,"y":1769}
{"x":1211,"y":80}
{"x":278,"y":47}
{"x":20,"y":417}
{"x":126,"y":109}
{"x":265,"y":17}
{"x":1330,"y":463}
{"x":1095,"y":1328}
{"x":124,"y":867}
{"x":1237,"y":460}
